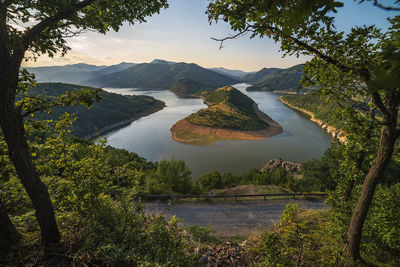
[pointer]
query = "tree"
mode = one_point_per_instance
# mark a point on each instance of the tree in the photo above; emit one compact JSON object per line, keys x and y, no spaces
{"x":8,"y":233}
{"x":361,"y":67}
{"x":46,"y":24}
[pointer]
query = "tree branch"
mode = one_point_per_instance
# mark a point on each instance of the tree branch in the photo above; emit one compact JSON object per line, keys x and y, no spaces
{"x":33,"y":32}
{"x":363,"y":73}
{"x":246,"y":30}
{"x":376,"y":98}
{"x":359,"y":108}
{"x":388,"y":8}
{"x":51,"y":105}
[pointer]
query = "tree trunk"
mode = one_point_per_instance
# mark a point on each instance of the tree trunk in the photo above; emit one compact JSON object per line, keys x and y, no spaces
{"x":11,"y":122}
{"x":382,"y":158}
{"x":8,"y":232}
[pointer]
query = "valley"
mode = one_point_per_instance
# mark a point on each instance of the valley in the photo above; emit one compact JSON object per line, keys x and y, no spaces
{"x":199,"y":133}
{"x":150,"y":136}
{"x":218,"y":144}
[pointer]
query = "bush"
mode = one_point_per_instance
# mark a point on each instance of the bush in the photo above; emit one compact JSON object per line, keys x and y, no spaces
{"x":202,"y":234}
{"x":170,"y":176}
{"x":214,"y":180}
{"x":211,"y":180}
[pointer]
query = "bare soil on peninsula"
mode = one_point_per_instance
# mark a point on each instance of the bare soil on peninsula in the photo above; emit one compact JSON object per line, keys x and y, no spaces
{"x":185,"y":132}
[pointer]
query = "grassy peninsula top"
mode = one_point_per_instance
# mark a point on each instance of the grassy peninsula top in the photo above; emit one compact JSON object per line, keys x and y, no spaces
{"x":228,"y":109}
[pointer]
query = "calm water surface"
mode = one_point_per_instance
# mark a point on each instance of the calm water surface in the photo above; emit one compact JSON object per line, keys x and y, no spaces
{"x":150,"y":136}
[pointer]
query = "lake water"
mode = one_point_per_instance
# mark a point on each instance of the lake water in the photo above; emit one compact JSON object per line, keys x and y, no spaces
{"x":150,"y":136}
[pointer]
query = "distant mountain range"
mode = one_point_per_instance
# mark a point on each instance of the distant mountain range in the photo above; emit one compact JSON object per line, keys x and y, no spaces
{"x":236,"y":74}
{"x":76,"y":73}
{"x":274,"y":79}
{"x":184,"y":79}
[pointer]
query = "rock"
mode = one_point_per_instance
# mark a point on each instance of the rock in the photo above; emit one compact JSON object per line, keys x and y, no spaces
{"x":287,"y":165}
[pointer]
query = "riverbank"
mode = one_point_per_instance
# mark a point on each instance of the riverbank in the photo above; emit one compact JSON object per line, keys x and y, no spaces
{"x":185,"y":132}
{"x":332,"y":131}
{"x":122,"y":123}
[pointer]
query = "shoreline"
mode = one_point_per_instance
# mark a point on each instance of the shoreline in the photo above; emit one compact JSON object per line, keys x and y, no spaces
{"x":332,"y":131}
{"x":196,"y":132}
{"x":121,"y":123}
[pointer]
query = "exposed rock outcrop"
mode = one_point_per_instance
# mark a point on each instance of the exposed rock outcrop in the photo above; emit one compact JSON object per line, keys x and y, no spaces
{"x":287,"y":165}
{"x":332,"y":131}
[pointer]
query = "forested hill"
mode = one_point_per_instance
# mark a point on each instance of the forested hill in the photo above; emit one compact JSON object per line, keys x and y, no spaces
{"x":111,"y":111}
{"x":228,"y":108}
{"x":182,"y":78}
{"x":323,"y":109}
{"x":274,"y":79}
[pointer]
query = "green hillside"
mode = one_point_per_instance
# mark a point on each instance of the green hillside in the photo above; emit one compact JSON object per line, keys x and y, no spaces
{"x":182,"y":78}
{"x":275,"y":79}
{"x":110,"y":110}
{"x":322,"y":109}
{"x":260,"y":75}
{"x":229,"y":109}
{"x":188,"y":88}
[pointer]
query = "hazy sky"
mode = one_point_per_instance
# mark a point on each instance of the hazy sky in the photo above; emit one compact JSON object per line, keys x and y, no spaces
{"x":182,"y":33}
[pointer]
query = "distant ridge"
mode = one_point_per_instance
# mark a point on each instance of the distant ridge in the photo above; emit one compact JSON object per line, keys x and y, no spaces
{"x":260,"y":75}
{"x":236,"y":74}
{"x":275,"y":79}
{"x":76,"y":73}
{"x":185,"y":79}
{"x":162,"y":61}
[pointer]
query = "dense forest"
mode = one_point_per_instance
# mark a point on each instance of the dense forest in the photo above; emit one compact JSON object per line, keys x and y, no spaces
{"x":323,"y":108}
{"x":111,"y":110}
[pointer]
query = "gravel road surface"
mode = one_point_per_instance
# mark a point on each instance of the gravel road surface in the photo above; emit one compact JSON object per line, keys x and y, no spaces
{"x":241,"y":218}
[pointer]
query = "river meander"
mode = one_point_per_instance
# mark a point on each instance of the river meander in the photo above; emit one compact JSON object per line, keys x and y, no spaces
{"x":150,"y":136}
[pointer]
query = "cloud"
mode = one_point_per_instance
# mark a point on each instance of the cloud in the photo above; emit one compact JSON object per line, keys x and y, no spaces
{"x":70,"y":58}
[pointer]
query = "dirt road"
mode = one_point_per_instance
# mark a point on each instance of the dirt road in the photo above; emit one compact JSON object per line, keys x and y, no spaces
{"x":229,"y":219}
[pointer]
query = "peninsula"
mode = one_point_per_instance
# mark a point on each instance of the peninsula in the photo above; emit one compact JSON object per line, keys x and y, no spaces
{"x":230,"y":115}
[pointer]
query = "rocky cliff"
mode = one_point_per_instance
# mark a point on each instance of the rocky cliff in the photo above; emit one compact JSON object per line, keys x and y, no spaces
{"x":287,"y":165}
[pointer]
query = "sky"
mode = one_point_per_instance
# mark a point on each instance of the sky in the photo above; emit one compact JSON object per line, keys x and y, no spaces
{"x":182,"y":33}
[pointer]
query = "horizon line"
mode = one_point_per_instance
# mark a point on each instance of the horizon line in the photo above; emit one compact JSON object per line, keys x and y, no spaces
{"x":173,"y":62}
